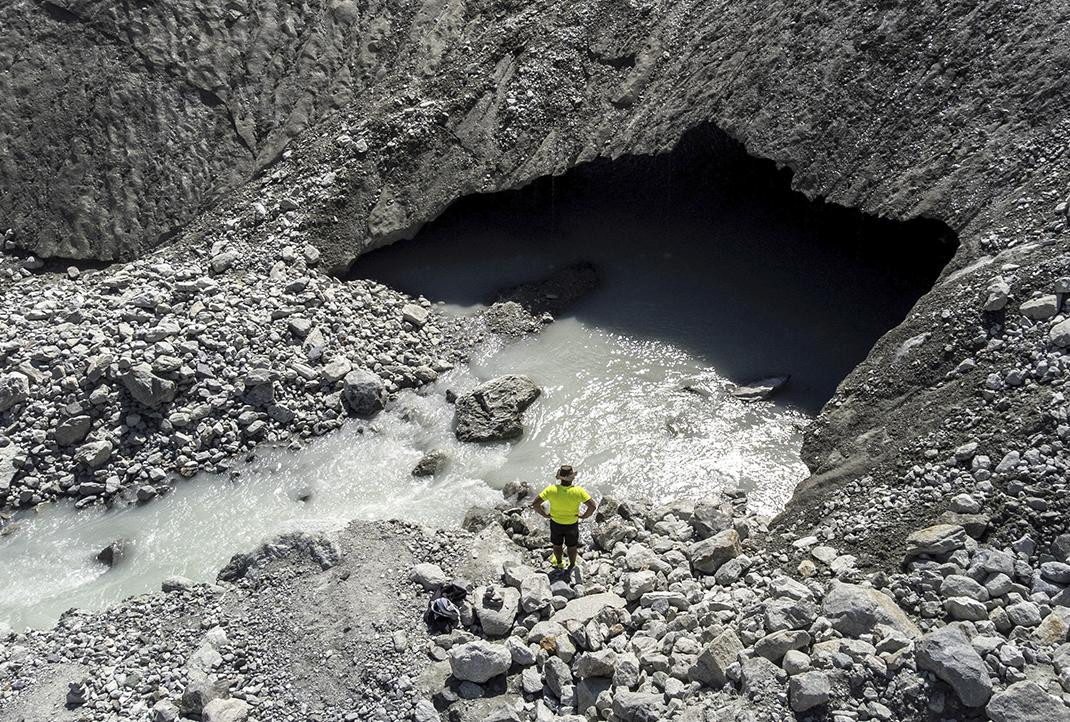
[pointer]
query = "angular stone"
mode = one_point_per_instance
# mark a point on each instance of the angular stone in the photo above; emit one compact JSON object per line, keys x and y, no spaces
{"x":711,"y":667}
{"x":1040,"y":309}
{"x":855,"y":610}
{"x":1055,"y":628}
{"x":1060,"y":334}
{"x":808,"y":690}
{"x":73,"y":430}
{"x":493,"y":410}
{"x":708,"y":555}
{"x":936,"y":540}
{"x":638,"y":707}
{"x":1024,"y":701}
{"x":416,"y":315}
{"x":774,"y":646}
{"x":479,"y":661}
{"x":595,"y":664}
{"x":428,"y":575}
{"x":14,"y":389}
{"x":496,"y":609}
{"x":948,"y":654}
{"x":147,"y":388}
{"x":94,"y":454}
{"x":535,"y":592}
{"x":583,"y":609}
{"x":363,"y":393}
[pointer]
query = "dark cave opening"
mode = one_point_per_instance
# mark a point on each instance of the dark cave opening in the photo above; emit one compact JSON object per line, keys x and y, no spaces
{"x":704,"y":247}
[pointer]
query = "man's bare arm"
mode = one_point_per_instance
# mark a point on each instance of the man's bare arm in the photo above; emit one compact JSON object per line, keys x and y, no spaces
{"x":589,"y":509}
{"x":537,"y":506}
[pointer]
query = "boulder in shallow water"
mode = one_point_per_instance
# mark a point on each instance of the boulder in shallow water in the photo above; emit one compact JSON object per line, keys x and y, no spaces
{"x":432,"y":464}
{"x":363,"y":393}
{"x":113,"y":553}
{"x":760,"y":389}
{"x":493,"y":410}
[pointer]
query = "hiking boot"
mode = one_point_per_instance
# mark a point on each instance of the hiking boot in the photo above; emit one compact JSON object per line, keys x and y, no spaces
{"x":557,"y":563}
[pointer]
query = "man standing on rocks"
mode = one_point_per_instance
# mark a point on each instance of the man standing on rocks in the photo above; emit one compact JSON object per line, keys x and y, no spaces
{"x":565,"y":500}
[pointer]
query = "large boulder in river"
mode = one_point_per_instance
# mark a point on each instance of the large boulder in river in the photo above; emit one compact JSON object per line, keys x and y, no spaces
{"x":363,"y":393}
{"x":492,"y":411}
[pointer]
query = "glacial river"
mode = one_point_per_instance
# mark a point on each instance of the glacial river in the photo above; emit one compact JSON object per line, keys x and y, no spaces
{"x":702,"y":288}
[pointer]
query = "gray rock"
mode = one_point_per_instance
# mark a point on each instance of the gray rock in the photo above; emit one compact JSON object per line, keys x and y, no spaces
{"x":595,"y":664}
{"x":223,"y":261}
{"x":493,"y":410}
{"x":226,"y":710}
{"x":948,"y":654}
{"x":557,"y":675}
{"x":638,"y":707}
{"x":94,"y":454}
{"x":164,"y":711}
{"x":496,"y":608}
{"x":1057,"y":572}
{"x":636,"y":584}
{"x":479,"y":661}
{"x":588,"y":690}
{"x":774,"y":646}
{"x":1024,"y":701}
{"x":336,"y":369}
{"x":855,"y":610}
{"x":808,"y":690}
{"x":73,"y":430}
{"x":708,"y":555}
{"x":363,"y":393}
{"x":113,"y":553}
{"x":428,"y":575}
{"x":147,"y":388}
{"x":789,"y":614}
{"x":176,"y":584}
{"x":431,"y":464}
{"x":1040,"y":309}
{"x":627,"y":672}
{"x":199,"y":693}
{"x":936,"y":540}
{"x":535,"y":592}
{"x":583,"y":609}
{"x":14,"y":389}
{"x":416,"y":315}
{"x":1060,"y":334}
{"x":708,"y":519}
{"x":711,"y":667}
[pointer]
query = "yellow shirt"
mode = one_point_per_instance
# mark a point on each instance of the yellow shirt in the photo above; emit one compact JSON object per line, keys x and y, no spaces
{"x":565,"y":502}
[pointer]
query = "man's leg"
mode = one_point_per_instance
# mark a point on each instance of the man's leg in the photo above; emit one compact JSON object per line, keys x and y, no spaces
{"x":572,"y":539}
{"x":559,"y":557}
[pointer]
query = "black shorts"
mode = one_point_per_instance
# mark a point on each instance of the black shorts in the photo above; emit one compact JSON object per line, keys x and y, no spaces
{"x":567,"y":534}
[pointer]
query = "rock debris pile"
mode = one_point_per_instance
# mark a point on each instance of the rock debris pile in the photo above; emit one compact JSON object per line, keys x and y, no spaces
{"x":684,"y":611}
{"x":118,"y":379}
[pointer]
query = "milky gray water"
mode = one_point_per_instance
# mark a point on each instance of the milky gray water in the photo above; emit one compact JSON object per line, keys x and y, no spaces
{"x":707,"y":287}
